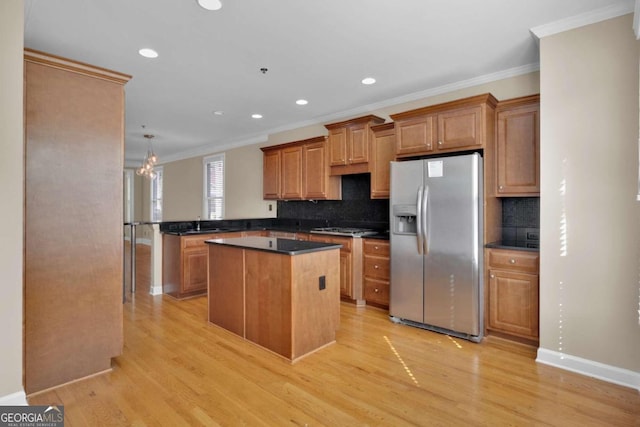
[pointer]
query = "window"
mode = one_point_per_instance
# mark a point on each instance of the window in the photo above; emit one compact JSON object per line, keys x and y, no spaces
{"x":156,"y":195}
{"x":213,"y":200}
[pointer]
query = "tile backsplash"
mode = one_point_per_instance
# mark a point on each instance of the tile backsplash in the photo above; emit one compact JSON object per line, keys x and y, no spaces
{"x":355,"y":209}
{"x":521,"y":212}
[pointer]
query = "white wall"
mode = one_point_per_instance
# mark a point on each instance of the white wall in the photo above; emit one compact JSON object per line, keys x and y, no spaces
{"x":590,"y":269}
{"x":12,"y":190}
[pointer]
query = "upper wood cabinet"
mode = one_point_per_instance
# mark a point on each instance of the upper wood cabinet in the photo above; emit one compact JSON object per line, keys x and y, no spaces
{"x":299,"y":171}
{"x":349,"y":145}
{"x":271,"y":160}
{"x":383,"y":146}
{"x":518,"y":147}
{"x":316,"y":180}
{"x":465,"y":124}
{"x":291,"y":172}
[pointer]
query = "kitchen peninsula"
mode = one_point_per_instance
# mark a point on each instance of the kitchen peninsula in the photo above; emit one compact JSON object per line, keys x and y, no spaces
{"x":281,"y":294}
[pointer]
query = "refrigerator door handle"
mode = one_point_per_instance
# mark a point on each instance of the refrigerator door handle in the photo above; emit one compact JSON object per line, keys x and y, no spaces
{"x":425,"y":227}
{"x":419,"y":232}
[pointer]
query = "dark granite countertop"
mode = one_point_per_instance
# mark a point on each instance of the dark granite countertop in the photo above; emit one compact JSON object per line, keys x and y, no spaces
{"x":275,"y":244}
{"x":518,"y":245}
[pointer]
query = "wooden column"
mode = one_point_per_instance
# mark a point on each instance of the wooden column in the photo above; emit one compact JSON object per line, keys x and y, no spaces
{"x":74,"y":149}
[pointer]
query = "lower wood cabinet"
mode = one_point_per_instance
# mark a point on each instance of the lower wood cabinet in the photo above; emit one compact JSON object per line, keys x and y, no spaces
{"x":512,"y":294}
{"x":376,"y":272}
{"x":185,"y":263}
{"x":350,"y":265}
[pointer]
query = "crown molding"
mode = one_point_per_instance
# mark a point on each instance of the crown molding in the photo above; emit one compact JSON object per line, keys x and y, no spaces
{"x":588,"y":18}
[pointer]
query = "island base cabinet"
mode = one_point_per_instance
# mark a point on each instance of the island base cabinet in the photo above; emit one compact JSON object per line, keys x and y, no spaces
{"x":226,"y":298}
{"x":288,"y":304}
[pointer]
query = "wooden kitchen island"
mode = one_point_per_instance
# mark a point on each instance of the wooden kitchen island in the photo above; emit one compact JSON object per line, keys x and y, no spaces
{"x":281,"y":294}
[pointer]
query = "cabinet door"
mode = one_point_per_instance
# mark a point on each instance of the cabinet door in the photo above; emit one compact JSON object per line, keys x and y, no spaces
{"x":338,"y":147}
{"x":513,"y":303}
{"x":383,"y":146}
{"x":271,"y":174}
{"x":315,"y":174}
{"x":518,"y":151}
{"x":357,"y":144}
{"x":195,"y":269}
{"x":376,"y":291}
{"x":292,"y":173}
{"x":415,"y":135}
{"x":460,"y":128}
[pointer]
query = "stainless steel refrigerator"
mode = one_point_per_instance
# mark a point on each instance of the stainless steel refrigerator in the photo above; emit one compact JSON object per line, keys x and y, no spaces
{"x":436,"y":244}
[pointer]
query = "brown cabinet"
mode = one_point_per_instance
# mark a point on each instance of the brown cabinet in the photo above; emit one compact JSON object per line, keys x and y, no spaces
{"x":291,"y":172}
{"x":271,"y":160}
{"x":464,"y":124}
{"x":350,"y":264}
{"x":376,"y":272}
{"x":185,"y":263}
{"x":74,"y":114}
{"x":275,"y":300}
{"x":518,"y":147}
{"x":349,"y":144}
{"x":383,"y":146}
{"x":299,"y":170}
{"x":512,"y":293}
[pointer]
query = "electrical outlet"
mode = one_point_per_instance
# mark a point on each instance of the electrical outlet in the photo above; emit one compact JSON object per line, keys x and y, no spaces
{"x":270,"y":207}
{"x":322,"y":283}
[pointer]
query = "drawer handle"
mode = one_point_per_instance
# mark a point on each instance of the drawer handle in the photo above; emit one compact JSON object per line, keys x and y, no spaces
{"x":376,"y":267}
{"x":512,"y":261}
{"x":375,"y":247}
{"x":376,"y":290}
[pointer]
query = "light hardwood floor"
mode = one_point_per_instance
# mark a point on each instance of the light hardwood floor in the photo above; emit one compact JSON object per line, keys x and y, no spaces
{"x":177,"y":370}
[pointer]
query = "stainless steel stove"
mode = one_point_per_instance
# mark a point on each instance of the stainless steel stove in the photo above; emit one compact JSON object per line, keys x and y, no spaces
{"x":345,"y":231}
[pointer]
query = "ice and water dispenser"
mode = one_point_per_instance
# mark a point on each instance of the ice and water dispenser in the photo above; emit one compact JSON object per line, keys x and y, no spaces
{"x":404,"y":219}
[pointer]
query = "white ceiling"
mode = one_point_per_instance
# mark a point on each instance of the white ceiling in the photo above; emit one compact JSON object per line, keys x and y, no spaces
{"x":316,"y":50}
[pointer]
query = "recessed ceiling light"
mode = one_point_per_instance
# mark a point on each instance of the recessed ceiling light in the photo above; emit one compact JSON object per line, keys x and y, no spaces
{"x":148,"y":53}
{"x":218,"y":113}
{"x":302,"y":102}
{"x":368,"y":81}
{"x":256,"y":116}
{"x":210,"y":4}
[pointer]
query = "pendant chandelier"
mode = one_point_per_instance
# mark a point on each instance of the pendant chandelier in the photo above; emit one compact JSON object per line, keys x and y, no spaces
{"x":150,"y":160}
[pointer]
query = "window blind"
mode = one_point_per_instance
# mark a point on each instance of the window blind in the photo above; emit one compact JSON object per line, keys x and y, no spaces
{"x":214,"y":187}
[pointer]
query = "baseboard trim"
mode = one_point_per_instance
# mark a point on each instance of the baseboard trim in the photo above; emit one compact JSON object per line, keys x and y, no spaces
{"x":601,"y":371}
{"x":156,"y":290}
{"x":18,"y":398}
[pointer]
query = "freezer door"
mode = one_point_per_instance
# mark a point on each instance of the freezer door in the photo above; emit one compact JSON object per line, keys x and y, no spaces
{"x":407,"y":290}
{"x":453,"y":237}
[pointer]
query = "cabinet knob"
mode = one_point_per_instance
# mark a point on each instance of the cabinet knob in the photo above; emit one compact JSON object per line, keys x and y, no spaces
{"x":375,"y":247}
{"x":500,"y":188}
{"x":376,"y":290}
{"x":493,"y":276}
{"x":439,"y":142}
{"x":512,"y":261}
{"x":376,"y":267}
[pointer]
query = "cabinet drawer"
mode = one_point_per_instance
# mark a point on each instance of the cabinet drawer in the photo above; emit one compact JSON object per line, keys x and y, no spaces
{"x":376,"y":247}
{"x":376,"y":291}
{"x":195,"y":241}
{"x":514,"y":260}
{"x":377,"y":267}
{"x":344,"y":241}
